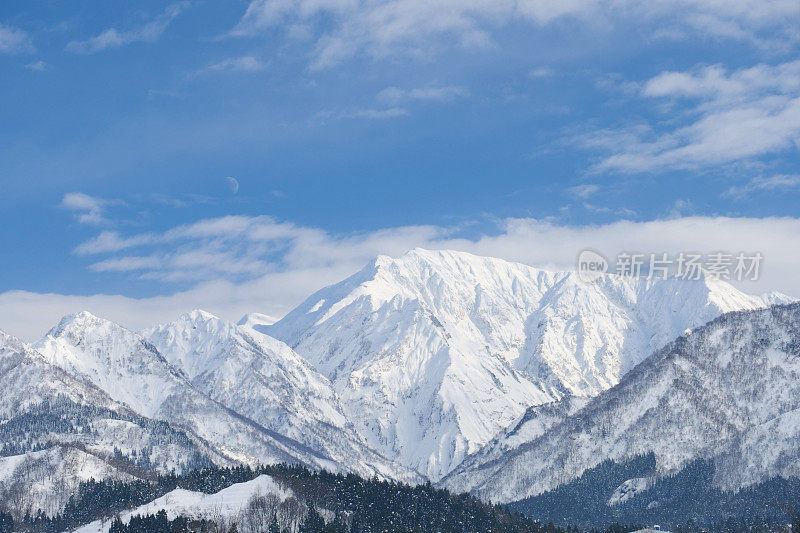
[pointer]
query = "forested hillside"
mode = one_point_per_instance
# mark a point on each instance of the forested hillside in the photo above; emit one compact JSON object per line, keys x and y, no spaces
{"x":320,"y":501}
{"x":613,"y":492}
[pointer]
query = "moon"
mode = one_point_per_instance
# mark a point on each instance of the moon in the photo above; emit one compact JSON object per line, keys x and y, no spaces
{"x":232,"y":184}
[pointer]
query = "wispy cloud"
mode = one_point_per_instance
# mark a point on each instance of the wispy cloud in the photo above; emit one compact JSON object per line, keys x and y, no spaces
{"x":779,"y":182}
{"x":374,"y":113}
{"x":236,"y":64}
{"x":111,"y":241}
{"x":722,"y":117}
{"x":14,"y":40}
{"x":242,"y":247}
{"x":583,"y":191}
{"x":270,"y":266}
{"x":126,"y":264}
{"x":541,"y":72}
{"x":233,"y":248}
{"x":37,"y":66}
{"x":113,"y":38}
{"x":395,"y":95}
{"x":346,"y":28}
{"x":88,"y":209}
{"x":394,"y":102}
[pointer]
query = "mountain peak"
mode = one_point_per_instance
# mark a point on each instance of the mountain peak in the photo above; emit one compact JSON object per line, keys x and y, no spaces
{"x":10,"y":341}
{"x":82,"y":317}
{"x":199,"y":319}
{"x":11,"y":350}
{"x":441,"y":257}
{"x":84,"y":323}
{"x":256,"y":321}
{"x":194,"y":342}
{"x":198,"y":315}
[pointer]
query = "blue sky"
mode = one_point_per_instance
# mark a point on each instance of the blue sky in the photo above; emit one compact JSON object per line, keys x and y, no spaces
{"x":355,"y":128}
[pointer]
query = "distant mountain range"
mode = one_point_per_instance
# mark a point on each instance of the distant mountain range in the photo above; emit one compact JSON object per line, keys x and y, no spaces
{"x":475,"y":373}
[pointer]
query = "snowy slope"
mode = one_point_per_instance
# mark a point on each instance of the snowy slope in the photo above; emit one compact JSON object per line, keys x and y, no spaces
{"x":728,"y":391}
{"x":44,"y":480}
{"x":56,"y":428}
{"x":229,"y":503}
{"x":256,"y":321}
{"x":434,"y":353}
{"x":112,"y":358}
{"x":264,"y":380}
{"x":27,"y":380}
{"x":42,"y":405}
{"x":133,"y":372}
{"x":535,"y":422}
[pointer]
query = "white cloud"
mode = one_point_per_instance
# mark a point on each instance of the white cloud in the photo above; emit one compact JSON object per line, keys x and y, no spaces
{"x":731,"y":117}
{"x":113,"y":38}
{"x":721,"y":87}
{"x":110,"y":241}
{"x":430,"y":94}
{"x":14,"y":40}
{"x":37,"y":66}
{"x":374,"y":113}
{"x":392,"y":102}
{"x":88,"y":209}
{"x":541,"y":72}
{"x":126,"y":264}
{"x":778,"y":182}
{"x":237,"y":64}
{"x":293,"y":261}
{"x":387,"y":27}
{"x":583,"y":191}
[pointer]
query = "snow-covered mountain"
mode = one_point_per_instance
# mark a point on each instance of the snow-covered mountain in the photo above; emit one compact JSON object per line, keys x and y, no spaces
{"x":432,"y":364}
{"x":92,"y":399}
{"x":41,"y":405}
{"x":263,"y":379}
{"x":57,"y":429}
{"x":728,"y":391}
{"x":132,"y":371}
{"x":435,"y":352}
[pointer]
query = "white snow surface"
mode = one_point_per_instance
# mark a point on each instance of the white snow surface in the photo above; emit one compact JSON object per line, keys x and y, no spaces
{"x":115,"y":359}
{"x":256,"y":321}
{"x":265,"y":380}
{"x":27,"y":379}
{"x":435,"y":352}
{"x":629,"y":489}
{"x":729,"y":391}
{"x":227,"y":503}
{"x":132,"y":371}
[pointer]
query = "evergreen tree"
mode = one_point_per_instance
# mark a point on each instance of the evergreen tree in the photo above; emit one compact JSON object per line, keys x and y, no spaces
{"x":6,"y":523}
{"x":313,"y":522}
{"x":273,"y":526}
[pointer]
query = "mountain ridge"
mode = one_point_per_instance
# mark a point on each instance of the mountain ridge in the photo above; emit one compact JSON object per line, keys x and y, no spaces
{"x":430,"y":366}
{"x":403,"y":339}
{"x":263,"y":379}
{"x":721,"y":388}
